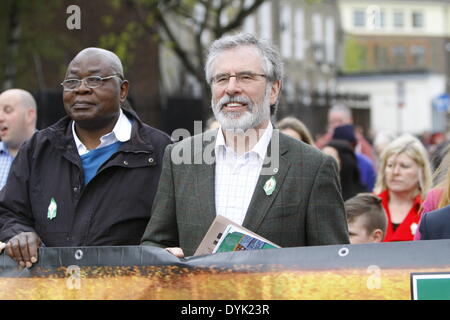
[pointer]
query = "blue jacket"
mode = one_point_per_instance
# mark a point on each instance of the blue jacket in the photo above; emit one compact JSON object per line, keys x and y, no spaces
{"x":366,"y":170}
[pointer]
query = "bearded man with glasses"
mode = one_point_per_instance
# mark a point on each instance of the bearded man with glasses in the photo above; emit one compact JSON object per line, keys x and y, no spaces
{"x":276,"y":186}
{"x":89,"y":179}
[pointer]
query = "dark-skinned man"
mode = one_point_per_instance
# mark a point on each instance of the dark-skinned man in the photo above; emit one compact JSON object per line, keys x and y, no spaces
{"x":89,"y":179}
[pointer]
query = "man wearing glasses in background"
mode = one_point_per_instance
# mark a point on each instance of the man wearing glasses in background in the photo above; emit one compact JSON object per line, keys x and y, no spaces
{"x":295,"y":201}
{"x":89,"y":179}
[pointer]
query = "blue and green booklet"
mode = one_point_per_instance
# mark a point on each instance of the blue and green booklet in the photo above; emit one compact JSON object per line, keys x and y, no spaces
{"x":225,"y":235}
{"x":235,"y":238}
{"x":237,"y":241}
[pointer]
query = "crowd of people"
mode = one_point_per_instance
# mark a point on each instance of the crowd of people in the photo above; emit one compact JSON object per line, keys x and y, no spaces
{"x":392,"y":185}
{"x":100,"y":176}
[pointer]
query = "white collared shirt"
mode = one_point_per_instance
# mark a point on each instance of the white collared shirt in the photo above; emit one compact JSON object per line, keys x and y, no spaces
{"x":121,"y":132}
{"x":236,"y":176}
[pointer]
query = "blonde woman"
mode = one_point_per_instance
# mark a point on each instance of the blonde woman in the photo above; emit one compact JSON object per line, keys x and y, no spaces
{"x":296,"y":129}
{"x":403,"y":180}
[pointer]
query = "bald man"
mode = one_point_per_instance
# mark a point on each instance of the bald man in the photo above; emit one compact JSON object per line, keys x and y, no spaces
{"x":17,"y":124}
{"x":89,"y":179}
{"x":340,"y":115}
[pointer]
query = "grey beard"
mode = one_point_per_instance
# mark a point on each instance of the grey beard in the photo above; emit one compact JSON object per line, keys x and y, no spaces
{"x":239,"y":122}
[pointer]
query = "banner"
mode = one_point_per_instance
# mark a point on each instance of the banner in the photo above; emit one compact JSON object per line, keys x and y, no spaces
{"x":368,"y":271}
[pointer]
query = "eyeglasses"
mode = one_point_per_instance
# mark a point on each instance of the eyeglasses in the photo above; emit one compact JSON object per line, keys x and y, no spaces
{"x":243,"y":78}
{"x":90,"y":82}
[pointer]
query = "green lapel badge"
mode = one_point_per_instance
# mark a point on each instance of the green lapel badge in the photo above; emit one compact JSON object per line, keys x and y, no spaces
{"x":52,"y":208}
{"x":269,"y":186}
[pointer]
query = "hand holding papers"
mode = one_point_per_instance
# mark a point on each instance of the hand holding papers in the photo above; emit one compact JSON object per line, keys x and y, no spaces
{"x":225,"y":235}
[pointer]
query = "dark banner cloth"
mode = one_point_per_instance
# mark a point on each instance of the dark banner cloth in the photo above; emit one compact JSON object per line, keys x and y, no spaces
{"x":369,"y":271}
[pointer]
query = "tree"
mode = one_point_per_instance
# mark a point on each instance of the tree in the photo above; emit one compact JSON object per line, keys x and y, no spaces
{"x":37,"y":44}
{"x":355,"y":56}
{"x":25,"y":39}
{"x":205,"y":20}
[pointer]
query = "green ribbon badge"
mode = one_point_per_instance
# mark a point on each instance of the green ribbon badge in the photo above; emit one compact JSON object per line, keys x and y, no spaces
{"x":269,"y":186}
{"x":52,"y":208}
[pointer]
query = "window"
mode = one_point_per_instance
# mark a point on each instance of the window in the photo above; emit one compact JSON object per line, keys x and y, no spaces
{"x":399,"y":54}
{"x":286,"y":31}
{"x":399,"y":19}
{"x":381,"y":20}
{"x":417,"y":19}
{"x":318,"y":44}
{"x":381,"y":56}
{"x":317,"y":28}
{"x":299,"y":30}
{"x":250,"y":21}
{"x":375,"y":17}
{"x":359,"y":18}
{"x":330,"y":40}
{"x":265,"y":20}
{"x":418,"y":54}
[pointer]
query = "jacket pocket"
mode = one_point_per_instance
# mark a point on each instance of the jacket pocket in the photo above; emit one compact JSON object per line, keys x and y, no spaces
{"x":277,"y":212}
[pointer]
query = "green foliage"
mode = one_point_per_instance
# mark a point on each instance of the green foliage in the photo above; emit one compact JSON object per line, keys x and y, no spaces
{"x":355,"y":56}
{"x":45,"y":40}
{"x":35,"y":41}
{"x":172,"y":18}
{"x":115,"y":4}
{"x":107,"y":20}
{"x":122,"y":43}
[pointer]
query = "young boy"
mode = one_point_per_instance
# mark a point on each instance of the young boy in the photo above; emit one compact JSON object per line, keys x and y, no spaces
{"x":366,"y":218}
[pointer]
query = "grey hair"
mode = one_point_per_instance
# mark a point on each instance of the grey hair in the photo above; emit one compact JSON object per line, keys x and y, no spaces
{"x":342,"y":108}
{"x":272,"y":63}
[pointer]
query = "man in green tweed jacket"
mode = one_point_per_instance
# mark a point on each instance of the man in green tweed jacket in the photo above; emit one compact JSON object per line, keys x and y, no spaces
{"x":280,"y":188}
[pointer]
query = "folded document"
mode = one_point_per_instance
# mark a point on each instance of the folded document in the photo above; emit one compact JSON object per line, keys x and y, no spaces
{"x":225,"y":235}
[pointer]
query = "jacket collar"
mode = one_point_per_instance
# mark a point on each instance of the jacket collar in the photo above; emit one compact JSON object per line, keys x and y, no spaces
{"x":260,"y":202}
{"x":260,"y":148}
{"x":121,"y":132}
{"x":61,"y":134}
{"x":384,"y":196}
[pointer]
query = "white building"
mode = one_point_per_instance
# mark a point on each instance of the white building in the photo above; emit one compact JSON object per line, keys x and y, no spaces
{"x":396,"y":17}
{"x":400,"y":102}
{"x":404,"y":60}
{"x":307,"y":35}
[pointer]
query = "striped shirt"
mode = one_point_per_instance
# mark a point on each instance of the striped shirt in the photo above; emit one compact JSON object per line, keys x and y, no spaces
{"x":6,"y":160}
{"x":236,"y":176}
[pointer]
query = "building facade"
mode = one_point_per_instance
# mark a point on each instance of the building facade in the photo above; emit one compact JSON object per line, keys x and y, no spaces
{"x":402,"y":46}
{"x":309,"y":38}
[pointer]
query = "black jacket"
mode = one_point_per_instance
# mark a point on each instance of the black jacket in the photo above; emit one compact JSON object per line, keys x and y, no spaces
{"x":112,"y":209}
